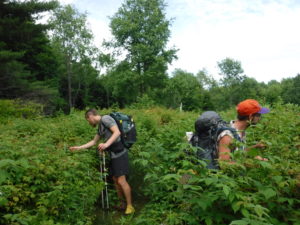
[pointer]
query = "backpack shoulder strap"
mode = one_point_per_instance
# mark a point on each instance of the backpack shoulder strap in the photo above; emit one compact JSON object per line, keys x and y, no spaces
{"x":114,"y":115}
{"x":232,"y":130}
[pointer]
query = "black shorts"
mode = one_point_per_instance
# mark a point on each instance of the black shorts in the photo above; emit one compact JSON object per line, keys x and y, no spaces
{"x":119,"y":166}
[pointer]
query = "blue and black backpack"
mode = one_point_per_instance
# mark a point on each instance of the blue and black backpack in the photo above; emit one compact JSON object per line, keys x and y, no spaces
{"x":127,"y":128}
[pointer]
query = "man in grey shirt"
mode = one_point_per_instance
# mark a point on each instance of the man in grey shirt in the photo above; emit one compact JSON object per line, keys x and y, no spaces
{"x":119,"y":165}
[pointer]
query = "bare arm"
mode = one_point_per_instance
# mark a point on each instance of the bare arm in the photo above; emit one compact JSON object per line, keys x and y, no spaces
{"x":115,"y":134}
{"x":87,"y":145}
{"x":258,"y":145}
{"x":224,"y":148}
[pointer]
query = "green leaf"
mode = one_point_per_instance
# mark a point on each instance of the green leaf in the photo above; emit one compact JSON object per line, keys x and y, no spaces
{"x":3,"y":176}
{"x":145,"y":155}
{"x":192,"y":187}
{"x":204,"y":204}
{"x":236,"y":206}
{"x":171,"y":176}
{"x":277,"y":179}
{"x":209,"y":181}
{"x":259,"y":210}
{"x":6,"y":162}
{"x":265,"y":165}
{"x":226,"y":190}
{"x":268,"y":193}
{"x":239,"y":222}
{"x":245,"y":212}
{"x":253,"y":152}
{"x":291,"y":201}
{"x":231,"y":197}
{"x":3,"y":201}
{"x":143,"y":162}
{"x":208,"y":221}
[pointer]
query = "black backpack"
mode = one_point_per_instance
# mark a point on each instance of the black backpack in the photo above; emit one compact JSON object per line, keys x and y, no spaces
{"x":207,"y":129}
{"x":127,"y":128}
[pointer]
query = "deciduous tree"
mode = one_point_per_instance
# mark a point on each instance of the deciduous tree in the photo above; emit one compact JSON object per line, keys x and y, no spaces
{"x":141,"y":29}
{"x":73,"y":38}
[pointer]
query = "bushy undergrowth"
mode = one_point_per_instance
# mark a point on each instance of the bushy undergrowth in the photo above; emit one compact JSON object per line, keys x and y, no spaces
{"x":43,"y":183}
{"x":248,"y":192}
{"x":19,"y":109}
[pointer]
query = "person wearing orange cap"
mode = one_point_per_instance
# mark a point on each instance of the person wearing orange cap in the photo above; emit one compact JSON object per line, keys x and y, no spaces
{"x":248,"y":113}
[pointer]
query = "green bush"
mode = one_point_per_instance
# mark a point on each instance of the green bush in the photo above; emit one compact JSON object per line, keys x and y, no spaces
{"x":249,"y":192}
{"x":19,"y":109}
{"x":43,"y":183}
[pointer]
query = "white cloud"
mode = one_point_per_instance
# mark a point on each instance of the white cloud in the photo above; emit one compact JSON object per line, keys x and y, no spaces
{"x":263,"y":35}
{"x":100,"y":30}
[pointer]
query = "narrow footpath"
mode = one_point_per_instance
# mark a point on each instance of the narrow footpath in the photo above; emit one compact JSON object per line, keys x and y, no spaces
{"x":114,"y":217}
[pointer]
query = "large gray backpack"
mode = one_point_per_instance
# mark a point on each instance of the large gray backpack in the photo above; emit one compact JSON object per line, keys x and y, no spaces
{"x":207,"y":129}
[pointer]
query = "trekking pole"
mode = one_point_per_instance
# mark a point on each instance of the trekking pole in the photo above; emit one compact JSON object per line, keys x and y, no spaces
{"x":101,"y":174}
{"x":106,"y":192}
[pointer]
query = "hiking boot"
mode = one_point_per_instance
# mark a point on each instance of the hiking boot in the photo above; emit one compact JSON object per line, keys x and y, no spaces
{"x":129,"y":210}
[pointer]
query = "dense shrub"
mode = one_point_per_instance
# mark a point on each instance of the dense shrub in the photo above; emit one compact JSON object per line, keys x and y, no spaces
{"x":43,"y":183}
{"x":18,"y":108}
{"x":249,"y":192}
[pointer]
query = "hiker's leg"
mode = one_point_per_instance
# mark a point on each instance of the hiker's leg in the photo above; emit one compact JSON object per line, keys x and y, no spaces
{"x":120,"y":194}
{"x":122,"y":182}
{"x":121,"y":169}
{"x":118,"y":188}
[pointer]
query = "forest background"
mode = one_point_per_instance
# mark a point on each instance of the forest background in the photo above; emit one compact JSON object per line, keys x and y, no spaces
{"x":54,"y":68}
{"x":57,"y":64}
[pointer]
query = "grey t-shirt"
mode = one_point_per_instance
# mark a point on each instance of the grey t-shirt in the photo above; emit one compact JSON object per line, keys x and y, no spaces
{"x":106,"y":123}
{"x":116,"y":149}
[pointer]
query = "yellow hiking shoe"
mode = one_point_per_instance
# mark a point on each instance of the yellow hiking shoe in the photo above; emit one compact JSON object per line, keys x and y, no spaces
{"x":129,"y":210}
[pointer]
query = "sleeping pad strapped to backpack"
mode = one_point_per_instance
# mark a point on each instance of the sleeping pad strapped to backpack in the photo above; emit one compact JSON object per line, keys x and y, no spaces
{"x":207,"y":129}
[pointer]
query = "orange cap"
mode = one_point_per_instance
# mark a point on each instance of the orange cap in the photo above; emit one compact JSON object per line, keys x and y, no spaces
{"x":249,"y":107}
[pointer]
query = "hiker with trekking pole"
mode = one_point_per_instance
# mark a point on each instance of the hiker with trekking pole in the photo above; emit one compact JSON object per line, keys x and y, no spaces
{"x":110,"y":130}
{"x":214,"y":138}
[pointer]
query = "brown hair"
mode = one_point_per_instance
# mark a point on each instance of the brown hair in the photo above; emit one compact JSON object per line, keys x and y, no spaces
{"x":91,"y":112}
{"x":243,"y":118}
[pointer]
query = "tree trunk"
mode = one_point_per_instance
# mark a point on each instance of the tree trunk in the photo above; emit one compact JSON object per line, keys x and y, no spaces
{"x":69,"y":71}
{"x":139,"y":70}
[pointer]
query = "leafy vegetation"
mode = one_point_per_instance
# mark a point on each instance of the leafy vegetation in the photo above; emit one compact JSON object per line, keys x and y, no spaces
{"x":249,"y":192}
{"x":43,"y":183}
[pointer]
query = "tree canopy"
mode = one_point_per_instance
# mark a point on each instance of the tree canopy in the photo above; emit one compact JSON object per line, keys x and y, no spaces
{"x":58,"y":65}
{"x":141,"y":29}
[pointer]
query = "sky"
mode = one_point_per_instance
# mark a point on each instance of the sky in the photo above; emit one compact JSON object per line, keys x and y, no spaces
{"x":264,"y":35}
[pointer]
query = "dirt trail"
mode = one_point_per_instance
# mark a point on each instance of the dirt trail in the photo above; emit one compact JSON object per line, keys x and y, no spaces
{"x":113,"y":217}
